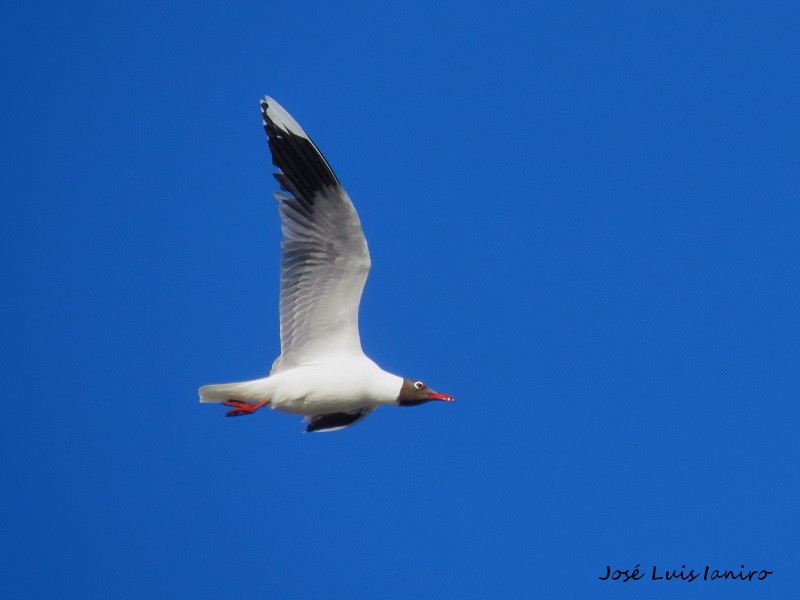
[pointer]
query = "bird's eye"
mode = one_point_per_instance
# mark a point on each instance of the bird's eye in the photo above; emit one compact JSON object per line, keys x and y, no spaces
{"x":419,"y":385}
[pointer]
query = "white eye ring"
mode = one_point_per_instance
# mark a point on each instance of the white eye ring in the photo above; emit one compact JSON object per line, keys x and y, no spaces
{"x":419,"y":385}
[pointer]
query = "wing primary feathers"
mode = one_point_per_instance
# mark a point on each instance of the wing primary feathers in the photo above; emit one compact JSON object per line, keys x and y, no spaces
{"x":304,"y":170}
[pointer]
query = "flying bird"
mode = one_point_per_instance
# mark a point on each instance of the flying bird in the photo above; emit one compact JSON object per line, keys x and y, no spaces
{"x":322,"y":372}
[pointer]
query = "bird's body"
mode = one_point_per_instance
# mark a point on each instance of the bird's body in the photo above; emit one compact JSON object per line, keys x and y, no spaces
{"x":322,"y":372}
{"x":335,"y":385}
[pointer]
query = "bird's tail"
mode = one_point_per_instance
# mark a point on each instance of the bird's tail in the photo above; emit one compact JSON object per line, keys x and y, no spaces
{"x":222,"y":392}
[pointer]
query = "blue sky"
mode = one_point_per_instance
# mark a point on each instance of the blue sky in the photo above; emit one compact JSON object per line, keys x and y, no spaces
{"x":583,"y":223}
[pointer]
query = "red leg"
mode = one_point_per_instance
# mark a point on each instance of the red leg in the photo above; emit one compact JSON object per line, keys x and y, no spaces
{"x":242,"y":408}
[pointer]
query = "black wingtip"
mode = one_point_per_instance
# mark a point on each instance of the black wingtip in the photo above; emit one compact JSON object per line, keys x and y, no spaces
{"x":334,"y":421}
{"x":305,"y":172}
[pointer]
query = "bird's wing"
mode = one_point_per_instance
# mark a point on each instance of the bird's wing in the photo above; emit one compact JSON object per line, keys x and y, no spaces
{"x":336,"y":421}
{"x":325,"y":260}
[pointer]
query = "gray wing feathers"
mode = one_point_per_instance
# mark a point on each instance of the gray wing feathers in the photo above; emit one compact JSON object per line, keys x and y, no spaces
{"x":325,"y":260}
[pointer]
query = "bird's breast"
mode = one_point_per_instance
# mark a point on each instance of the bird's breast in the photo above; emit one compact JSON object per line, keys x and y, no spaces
{"x":316,"y":390}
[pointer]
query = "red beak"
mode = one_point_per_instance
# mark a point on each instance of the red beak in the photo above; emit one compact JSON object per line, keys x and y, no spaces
{"x":438,"y":396}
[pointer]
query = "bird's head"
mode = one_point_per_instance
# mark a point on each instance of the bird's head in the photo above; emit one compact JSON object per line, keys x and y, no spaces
{"x":413,"y":393}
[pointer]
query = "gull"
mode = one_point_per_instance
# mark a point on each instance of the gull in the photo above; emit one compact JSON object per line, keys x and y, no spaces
{"x":322,"y":373}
